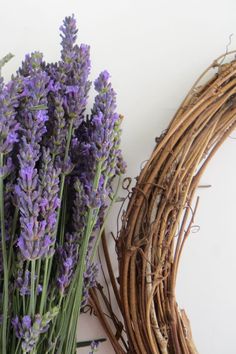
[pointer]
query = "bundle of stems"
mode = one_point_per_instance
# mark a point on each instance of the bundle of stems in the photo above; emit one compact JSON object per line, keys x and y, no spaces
{"x":159,"y":218}
{"x":57,"y":170}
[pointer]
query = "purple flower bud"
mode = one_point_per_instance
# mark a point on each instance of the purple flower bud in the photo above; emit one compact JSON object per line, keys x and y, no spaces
{"x":26,"y":322}
{"x":67,"y":258}
{"x":94,"y":347}
{"x":39,"y":289}
{"x":8,"y":125}
{"x":29,"y":329}
{"x":89,"y":280}
{"x":34,"y":241}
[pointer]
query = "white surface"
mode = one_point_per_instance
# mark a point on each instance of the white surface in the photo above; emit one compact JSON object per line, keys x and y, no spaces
{"x":154,"y":50}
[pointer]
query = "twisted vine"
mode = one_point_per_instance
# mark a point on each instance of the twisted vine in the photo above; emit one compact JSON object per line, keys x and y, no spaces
{"x":159,"y":218}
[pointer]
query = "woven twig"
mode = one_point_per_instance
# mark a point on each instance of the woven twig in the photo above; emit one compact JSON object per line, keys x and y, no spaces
{"x":160,"y":215}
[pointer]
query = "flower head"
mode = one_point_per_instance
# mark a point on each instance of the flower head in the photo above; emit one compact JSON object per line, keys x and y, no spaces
{"x":33,"y":241}
{"x":28,"y":329}
{"x":9,"y":127}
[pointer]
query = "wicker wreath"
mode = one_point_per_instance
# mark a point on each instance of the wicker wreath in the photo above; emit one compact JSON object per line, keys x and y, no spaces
{"x":159,"y":217}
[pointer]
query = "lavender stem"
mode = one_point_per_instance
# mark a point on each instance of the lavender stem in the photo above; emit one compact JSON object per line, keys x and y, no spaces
{"x":48,"y":264}
{"x":98,"y":239}
{"x":84,"y":249}
{"x":32,"y":296}
{"x":15,"y":219}
{"x":44,"y":292}
{"x":5,"y":266}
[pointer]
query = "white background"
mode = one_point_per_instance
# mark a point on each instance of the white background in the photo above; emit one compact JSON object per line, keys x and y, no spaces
{"x":154,"y":50}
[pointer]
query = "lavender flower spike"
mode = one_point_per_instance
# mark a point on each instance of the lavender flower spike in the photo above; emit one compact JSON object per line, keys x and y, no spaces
{"x":75,"y":65}
{"x":67,"y":258}
{"x":57,"y":164}
{"x":8,"y":125}
{"x":33,"y":241}
{"x":99,"y":143}
{"x":49,"y":182}
{"x":29,"y":330}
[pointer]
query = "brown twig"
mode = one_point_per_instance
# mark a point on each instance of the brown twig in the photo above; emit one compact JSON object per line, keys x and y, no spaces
{"x":154,"y":229}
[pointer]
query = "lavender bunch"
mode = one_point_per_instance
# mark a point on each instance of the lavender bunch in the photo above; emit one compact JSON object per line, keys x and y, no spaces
{"x":57,"y":166}
{"x":9,"y":128}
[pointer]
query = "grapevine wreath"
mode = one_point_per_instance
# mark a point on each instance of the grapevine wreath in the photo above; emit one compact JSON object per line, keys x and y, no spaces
{"x":158,"y":220}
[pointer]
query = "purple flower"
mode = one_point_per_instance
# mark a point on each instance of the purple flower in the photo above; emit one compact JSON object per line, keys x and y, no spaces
{"x":96,"y":153}
{"x":23,"y":282}
{"x":33,"y":241}
{"x":7,"y":168}
{"x":39,"y":289}
{"x":89,"y":280}
{"x":49,"y":182}
{"x":55,"y":138}
{"x":9,"y":128}
{"x":68,"y":34}
{"x":67,"y":259}
{"x":68,"y":88}
{"x":33,"y":62}
{"x":100,"y":83}
{"x":75,"y":65}
{"x":94,"y":347}
{"x":26,"y":322}
{"x":33,"y":108}
{"x":98,"y":140}
{"x":29,"y":329}
{"x":58,"y":167}
{"x":8,"y":209}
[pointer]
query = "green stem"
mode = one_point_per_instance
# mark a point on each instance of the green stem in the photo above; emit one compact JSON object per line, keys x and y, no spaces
{"x":79,"y":290}
{"x":32,"y":288}
{"x":98,"y":238}
{"x":44,"y":290}
{"x":17,"y":347}
{"x":13,"y":344}
{"x":62,"y":184}
{"x":67,"y":313}
{"x":61,"y":189}
{"x":17,"y":302}
{"x":48,"y":264}
{"x":53,"y":328}
{"x":5,"y":265}
{"x":75,"y":312}
{"x":38,"y":268}
{"x":24,"y":309}
{"x":63,"y":217}
{"x":92,"y":215}
{"x":15,"y":218}
{"x":68,"y":140}
{"x":74,"y":297}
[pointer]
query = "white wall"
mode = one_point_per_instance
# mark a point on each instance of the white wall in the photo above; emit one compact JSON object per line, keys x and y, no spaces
{"x":154,"y":50}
